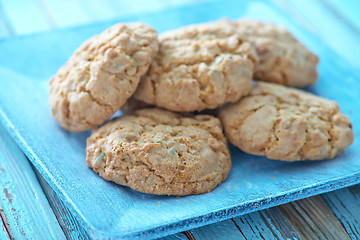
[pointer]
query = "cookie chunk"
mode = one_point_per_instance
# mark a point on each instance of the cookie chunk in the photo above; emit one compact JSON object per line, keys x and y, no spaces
{"x":287,"y":124}
{"x":159,"y":152}
{"x":282,"y":58}
{"x":199,"y":67}
{"x":101,"y":75}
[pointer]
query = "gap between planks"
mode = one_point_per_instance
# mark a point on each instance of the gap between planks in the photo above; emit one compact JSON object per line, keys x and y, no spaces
{"x":309,"y":218}
{"x":303,"y":219}
{"x":5,"y":226}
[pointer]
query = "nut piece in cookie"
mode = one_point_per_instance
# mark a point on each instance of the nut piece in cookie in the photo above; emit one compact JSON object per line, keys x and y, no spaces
{"x":282,"y":58}
{"x":287,"y":124}
{"x":101,"y":75}
{"x":159,"y":152}
{"x":199,"y":67}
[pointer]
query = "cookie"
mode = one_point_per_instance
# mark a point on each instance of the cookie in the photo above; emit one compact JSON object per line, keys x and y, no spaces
{"x":159,"y":152}
{"x":282,"y":58}
{"x":287,"y":124}
{"x":132,"y":105}
{"x":101,"y":75}
{"x":198,"y":67}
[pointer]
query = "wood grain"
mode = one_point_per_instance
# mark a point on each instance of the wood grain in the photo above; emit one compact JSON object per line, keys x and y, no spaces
{"x":25,"y":212}
{"x":68,"y":223}
{"x":218,"y":231}
{"x":4,"y":226}
{"x":345,"y":204}
{"x":312,"y":219}
{"x":177,"y":236}
{"x":279,"y":223}
{"x":253,"y":226}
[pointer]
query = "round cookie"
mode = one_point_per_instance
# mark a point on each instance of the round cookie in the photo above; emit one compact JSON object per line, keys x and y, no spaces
{"x":282,"y":58}
{"x":159,"y":152}
{"x":101,"y":75}
{"x":198,"y":67}
{"x":287,"y":124}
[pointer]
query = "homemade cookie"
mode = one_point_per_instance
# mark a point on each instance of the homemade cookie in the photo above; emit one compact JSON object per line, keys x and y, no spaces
{"x":282,"y":58}
{"x":159,"y":152}
{"x":199,"y":67}
{"x":101,"y":75}
{"x":133,"y":104}
{"x":286,"y":124}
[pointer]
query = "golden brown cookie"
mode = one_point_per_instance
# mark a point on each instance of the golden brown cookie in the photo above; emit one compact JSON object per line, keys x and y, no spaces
{"x":282,"y":58}
{"x":159,"y":152}
{"x":198,"y":67}
{"x":287,"y":124}
{"x":101,"y":75}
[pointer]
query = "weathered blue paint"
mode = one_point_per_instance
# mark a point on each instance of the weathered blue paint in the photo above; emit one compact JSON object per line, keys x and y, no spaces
{"x":218,"y":231}
{"x":25,"y":206}
{"x":346,"y":207}
{"x":106,"y":210}
{"x":3,"y":232}
{"x":253,"y":226}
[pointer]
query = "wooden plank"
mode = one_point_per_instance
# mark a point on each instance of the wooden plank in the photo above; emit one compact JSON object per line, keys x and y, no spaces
{"x":253,"y":226}
{"x":24,"y":205}
{"x":67,"y":13}
{"x":68,"y":223}
{"x":348,"y":9}
{"x":355,"y":190}
{"x":4,"y":232}
{"x":334,"y":33}
{"x":177,"y":236}
{"x":346,"y":207}
{"x":275,"y":220}
{"x":312,"y":218}
{"x":218,"y":231}
{"x":26,"y":19}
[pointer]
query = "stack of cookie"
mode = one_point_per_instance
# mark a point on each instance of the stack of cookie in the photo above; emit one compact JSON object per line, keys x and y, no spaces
{"x":197,"y":69}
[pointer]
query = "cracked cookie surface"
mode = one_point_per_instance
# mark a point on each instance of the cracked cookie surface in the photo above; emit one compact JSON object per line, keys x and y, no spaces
{"x":282,"y":58}
{"x":159,"y":152}
{"x":198,"y":67}
{"x":283,"y":123}
{"x":101,"y":75}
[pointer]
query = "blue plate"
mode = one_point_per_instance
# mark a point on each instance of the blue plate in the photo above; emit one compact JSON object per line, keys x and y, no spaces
{"x":107,"y":210}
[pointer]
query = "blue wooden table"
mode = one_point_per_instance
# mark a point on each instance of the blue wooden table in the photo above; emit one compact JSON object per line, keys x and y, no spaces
{"x":29,"y":209}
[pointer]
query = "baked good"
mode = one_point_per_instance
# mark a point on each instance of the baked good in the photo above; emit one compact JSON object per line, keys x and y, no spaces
{"x":133,"y":104}
{"x":198,"y":67}
{"x":159,"y":152}
{"x":282,"y":58}
{"x":101,"y":75}
{"x":286,"y":124}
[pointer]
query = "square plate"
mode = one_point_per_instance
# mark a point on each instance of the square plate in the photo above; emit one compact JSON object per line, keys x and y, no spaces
{"x":107,"y":210}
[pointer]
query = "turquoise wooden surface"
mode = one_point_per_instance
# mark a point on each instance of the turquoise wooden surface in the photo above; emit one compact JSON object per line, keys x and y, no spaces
{"x":22,"y":200}
{"x":345,"y":10}
{"x":35,"y":22}
{"x":345,"y":205}
{"x":3,"y":234}
{"x":327,"y":26}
